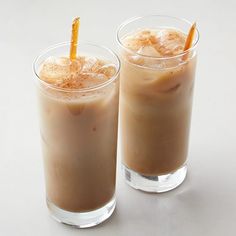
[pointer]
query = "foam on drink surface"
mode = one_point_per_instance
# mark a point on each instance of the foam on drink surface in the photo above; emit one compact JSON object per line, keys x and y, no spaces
{"x":156,"y":43}
{"x":83,"y":72}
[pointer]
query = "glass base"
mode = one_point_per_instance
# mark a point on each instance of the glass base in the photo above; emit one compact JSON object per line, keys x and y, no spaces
{"x":84,"y":219}
{"x":155,"y":184}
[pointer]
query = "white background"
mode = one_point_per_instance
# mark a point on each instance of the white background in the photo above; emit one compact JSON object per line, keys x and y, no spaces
{"x":204,"y":205}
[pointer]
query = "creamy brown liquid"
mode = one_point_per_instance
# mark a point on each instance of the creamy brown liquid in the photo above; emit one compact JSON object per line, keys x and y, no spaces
{"x":79,"y":133}
{"x":156,"y":101}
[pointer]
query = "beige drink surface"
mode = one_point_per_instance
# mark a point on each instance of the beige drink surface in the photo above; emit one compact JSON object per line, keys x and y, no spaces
{"x":156,"y":100}
{"x":83,"y":72}
{"x":79,"y":132}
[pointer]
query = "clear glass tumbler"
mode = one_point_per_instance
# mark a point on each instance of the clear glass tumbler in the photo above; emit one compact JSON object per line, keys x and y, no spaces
{"x":155,"y":105}
{"x":79,"y":142}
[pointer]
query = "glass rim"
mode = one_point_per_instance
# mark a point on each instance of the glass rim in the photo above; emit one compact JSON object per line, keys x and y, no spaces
{"x":89,"y":89}
{"x":133,"y":19}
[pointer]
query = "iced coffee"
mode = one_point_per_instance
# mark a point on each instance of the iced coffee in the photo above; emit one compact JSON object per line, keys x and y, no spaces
{"x":157,"y":80}
{"x":78,"y":101}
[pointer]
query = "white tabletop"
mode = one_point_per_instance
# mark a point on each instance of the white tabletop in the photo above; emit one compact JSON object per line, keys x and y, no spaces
{"x":204,"y":205}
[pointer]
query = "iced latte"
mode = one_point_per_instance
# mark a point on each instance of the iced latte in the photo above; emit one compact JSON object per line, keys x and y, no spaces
{"x":157,"y":79}
{"x":78,"y":101}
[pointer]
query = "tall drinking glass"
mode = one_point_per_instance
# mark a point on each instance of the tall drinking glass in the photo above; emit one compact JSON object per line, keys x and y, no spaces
{"x":156,"y":104}
{"x":79,"y":139}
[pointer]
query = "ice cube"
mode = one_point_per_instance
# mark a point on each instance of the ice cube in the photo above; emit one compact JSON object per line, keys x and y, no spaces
{"x":108,"y":70}
{"x":170,"y":42}
{"x":92,"y":79}
{"x":149,"y":51}
{"x":132,"y":43}
{"x":90,"y":64}
{"x":139,"y":60}
{"x":55,"y":69}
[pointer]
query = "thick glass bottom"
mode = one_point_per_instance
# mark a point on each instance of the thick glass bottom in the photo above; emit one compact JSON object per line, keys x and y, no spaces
{"x":156,"y":184}
{"x":84,"y":219}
